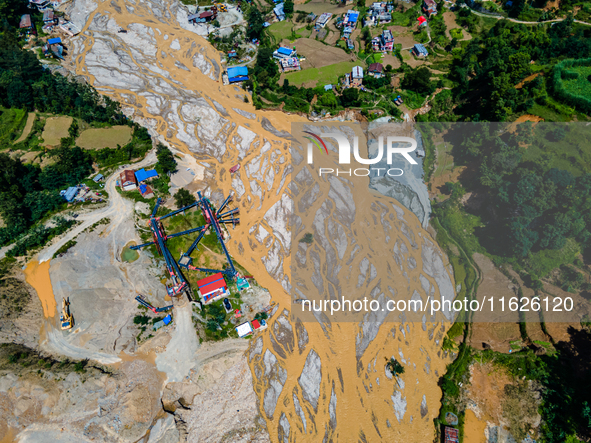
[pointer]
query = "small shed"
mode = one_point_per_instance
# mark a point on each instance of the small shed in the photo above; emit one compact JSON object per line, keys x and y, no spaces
{"x":146,"y":191}
{"x":244,"y":329}
{"x":97,"y":178}
{"x":419,"y":50}
{"x":242,"y":283}
{"x":54,"y":41}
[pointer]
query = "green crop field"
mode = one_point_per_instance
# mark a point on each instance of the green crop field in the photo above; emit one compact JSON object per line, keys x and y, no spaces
{"x":581,"y":85}
{"x":55,"y":129}
{"x":323,"y":76}
{"x":280,"y":30}
{"x":98,"y":138}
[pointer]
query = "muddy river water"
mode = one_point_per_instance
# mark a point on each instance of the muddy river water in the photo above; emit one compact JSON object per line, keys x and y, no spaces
{"x":168,"y":77}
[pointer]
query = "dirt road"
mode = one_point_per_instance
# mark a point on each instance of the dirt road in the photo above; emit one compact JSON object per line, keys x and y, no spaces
{"x":118,"y":209}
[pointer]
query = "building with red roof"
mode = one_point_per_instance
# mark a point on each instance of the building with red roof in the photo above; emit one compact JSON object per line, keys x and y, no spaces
{"x":213,"y":287}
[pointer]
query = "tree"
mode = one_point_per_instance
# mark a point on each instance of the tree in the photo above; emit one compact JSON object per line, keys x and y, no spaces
{"x":183,"y":198}
{"x":418,"y":80}
{"x":329,"y":100}
{"x":288,"y":7}
{"x":165,"y":158}
{"x":350,"y":97}
{"x":255,"y":23}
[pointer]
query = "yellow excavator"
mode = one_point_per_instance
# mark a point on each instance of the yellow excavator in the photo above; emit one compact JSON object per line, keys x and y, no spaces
{"x":221,"y":7}
{"x":66,"y":319}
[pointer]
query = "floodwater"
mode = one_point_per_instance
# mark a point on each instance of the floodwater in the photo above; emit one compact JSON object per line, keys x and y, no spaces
{"x":162,"y":59}
{"x":129,"y":255}
{"x":37,"y":275}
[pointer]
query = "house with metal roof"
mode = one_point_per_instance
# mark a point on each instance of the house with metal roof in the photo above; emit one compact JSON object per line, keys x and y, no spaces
{"x":284,"y":52}
{"x":290,"y":64}
{"x":376,"y":70}
{"x":323,"y":20}
{"x":429,"y":7}
{"x":244,"y":329}
{"x":54,"y":41}
{"x":143,"y":175}
{"x":146,"y":191}
{"x":49,"y":17}
{"x":212,"y":288}
{"x":25,"y":22}
{"x":97,"y":178}
{"x":127,"y":180}
{"x":357,"y":75}
{"x":387,"y":41}
{"x":70,"y":193}
{"x":237,"y":74}
{"x":351,"y":18}
{"x":278,"y":11}
{"x":419,"y":50}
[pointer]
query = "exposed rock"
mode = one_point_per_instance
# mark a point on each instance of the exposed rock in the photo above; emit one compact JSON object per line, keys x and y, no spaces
{"x":310,"y":378}
{"x":300,"y":411}
{"x":424,"y":408}
{"x":276,"y":376}
{"x":283,"y":429}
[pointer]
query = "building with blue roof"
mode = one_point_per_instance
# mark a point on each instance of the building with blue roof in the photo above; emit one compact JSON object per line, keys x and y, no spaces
{"x":419,"y":50}
{"x":328,"y":87}
{"x":142,"y":175}
{"x":97,"y":178}
{"x":237,"y":74}
{"x":54,"y":41}
{"x":70,"y":193}
{"x":283,"y":52}
{"x":278,"y":10}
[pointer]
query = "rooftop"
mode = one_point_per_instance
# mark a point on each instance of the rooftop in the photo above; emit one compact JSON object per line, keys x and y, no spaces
{"x":142,"y":174}
{"x":376,"y":67}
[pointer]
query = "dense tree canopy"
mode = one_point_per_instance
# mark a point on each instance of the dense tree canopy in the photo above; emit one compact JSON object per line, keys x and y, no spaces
{"x":166,"y":160}
{"x":493,"y":64}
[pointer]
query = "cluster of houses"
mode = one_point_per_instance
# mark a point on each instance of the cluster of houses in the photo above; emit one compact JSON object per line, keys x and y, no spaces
{"x":287,"y":59}
{"x":348,"y":23}
{"x":81,"y":193}
{"x":51,"y":21}
{"x":429,"y":7}
{"x":130,"y":180}
{"x":54,"y":47}
{"x":379,"y":12}
{"x":214,"y":287}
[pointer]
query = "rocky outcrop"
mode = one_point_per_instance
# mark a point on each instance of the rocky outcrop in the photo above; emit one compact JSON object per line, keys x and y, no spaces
{"x":310,"y":379}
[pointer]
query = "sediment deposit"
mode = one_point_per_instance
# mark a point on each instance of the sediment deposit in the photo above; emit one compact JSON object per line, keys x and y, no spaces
{"x":314,"y":381}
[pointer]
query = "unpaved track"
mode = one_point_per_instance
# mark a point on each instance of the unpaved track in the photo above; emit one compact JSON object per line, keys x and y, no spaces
{"x":179,"y":357}
{"x":117,"y":209}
